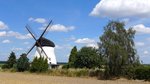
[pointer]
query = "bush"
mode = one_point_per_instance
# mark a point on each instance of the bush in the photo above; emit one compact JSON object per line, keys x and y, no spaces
{"x":96,"y":72}
{"x":139,"y":72}
{"x":22,"y":63}
{"x":5,"y":66}
{"x":142,"y":73}
{"x":39,"y":65}
{"x":66,"y":66}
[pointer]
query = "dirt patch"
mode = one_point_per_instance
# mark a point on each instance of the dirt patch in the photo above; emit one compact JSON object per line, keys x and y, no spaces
{"x":26,"y":78}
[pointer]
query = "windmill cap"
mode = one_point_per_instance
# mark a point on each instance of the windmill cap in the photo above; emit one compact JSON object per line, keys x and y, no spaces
{"x":45,"y":42}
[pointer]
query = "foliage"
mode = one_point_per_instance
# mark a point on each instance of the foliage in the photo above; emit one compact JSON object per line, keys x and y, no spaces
{"x":87,"y":57}
{"x":22,"y":63}
{"x":39,"y":65}
{"x":10,"y":62}
{"x":142,"y":73}
{"x":66,"y":66}
{"x":72,"y":57}
{"x":117,"y":47}
{"x":4,"y":66}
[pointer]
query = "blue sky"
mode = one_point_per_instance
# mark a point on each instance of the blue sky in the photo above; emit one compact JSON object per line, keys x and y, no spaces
{"x":75,"y":22}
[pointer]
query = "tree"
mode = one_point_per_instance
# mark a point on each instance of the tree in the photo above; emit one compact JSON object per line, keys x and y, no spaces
{"x":11,"y":61}
{"x":72,"y":56}
{"x":39,"y":65}
{"x":117,"y":47}
{"x":87,"y":57}
{"x":23,"y":63}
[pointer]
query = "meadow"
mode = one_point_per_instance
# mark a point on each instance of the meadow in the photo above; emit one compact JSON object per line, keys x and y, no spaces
{"x":27,"y":78}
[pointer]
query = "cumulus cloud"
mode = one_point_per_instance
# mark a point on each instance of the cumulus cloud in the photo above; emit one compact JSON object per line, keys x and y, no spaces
{"x":59,"y":28}
{"x":94,"y":45}
{"x":3,"y":26}
{"x":3,"y":33}
{"x":6,"y":41}
{"x":140,"y":28}
{"x":84,"y":41}
{"x":15,"y":34}
{"x":18,"y":35}
{"x":122,"y":8}
{"x":38,"y":20}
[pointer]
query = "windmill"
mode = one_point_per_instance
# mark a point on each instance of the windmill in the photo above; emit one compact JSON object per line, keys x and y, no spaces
{"x":44,"y":47}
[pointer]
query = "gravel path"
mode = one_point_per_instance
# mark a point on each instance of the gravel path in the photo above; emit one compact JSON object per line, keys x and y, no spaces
{"x":26,"y":78}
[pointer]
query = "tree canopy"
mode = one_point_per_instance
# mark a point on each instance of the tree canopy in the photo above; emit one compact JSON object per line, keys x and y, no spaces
{"x":87,"y":57}
{"x":39,"y":65}
{"x":23,"y":63}
{"x":11,"y":61}
{"x":117,"y":47}
{"x":72,"y":57}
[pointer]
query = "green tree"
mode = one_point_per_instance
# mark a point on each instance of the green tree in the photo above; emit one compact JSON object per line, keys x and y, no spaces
{"x":23,"y":63}
{"x":72,"y":56}
{"x":11,"y":61}
{"x":117,"y":47}
{"x":39,"y":65}
{"x":87,"y":57}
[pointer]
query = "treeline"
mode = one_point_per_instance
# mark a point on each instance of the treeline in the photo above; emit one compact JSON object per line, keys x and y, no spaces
{"x":115,"y":57}
{"x":22,"y":64}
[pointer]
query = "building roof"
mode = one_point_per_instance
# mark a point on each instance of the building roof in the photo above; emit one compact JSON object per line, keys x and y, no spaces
{"x":45,"y":42}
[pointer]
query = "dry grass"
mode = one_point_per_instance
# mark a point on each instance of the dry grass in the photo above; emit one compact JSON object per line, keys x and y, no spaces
{"x":28,"y":78}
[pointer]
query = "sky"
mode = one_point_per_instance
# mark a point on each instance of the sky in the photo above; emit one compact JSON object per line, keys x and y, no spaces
{"x":75,"y":23}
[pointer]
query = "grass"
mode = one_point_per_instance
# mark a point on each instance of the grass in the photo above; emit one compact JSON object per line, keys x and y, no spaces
{"x":63,"y":72}
{"x":25,"y":78}
{"x":1,"y":65}
{"x":69,"y":72}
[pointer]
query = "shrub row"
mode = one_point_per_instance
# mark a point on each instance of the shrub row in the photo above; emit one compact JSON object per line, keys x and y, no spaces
{"x":141,"y":73}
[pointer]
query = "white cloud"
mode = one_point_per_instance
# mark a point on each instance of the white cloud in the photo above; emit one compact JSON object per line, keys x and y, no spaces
{"x":38,"y":20}
{"x":59,"y":28}
{"x":125,"y":20}
{"x":85,"y":41}
{"x":122,"y":8}
{"x":6,"y":41}
{"x":140,"y":28}
{"x":94,"y":45}
{"x":18,"y":35}
{"x":15,"y":34}
{"x":3,"y":33}
{"x":3,"y":26}
{"x":146,"y":52}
